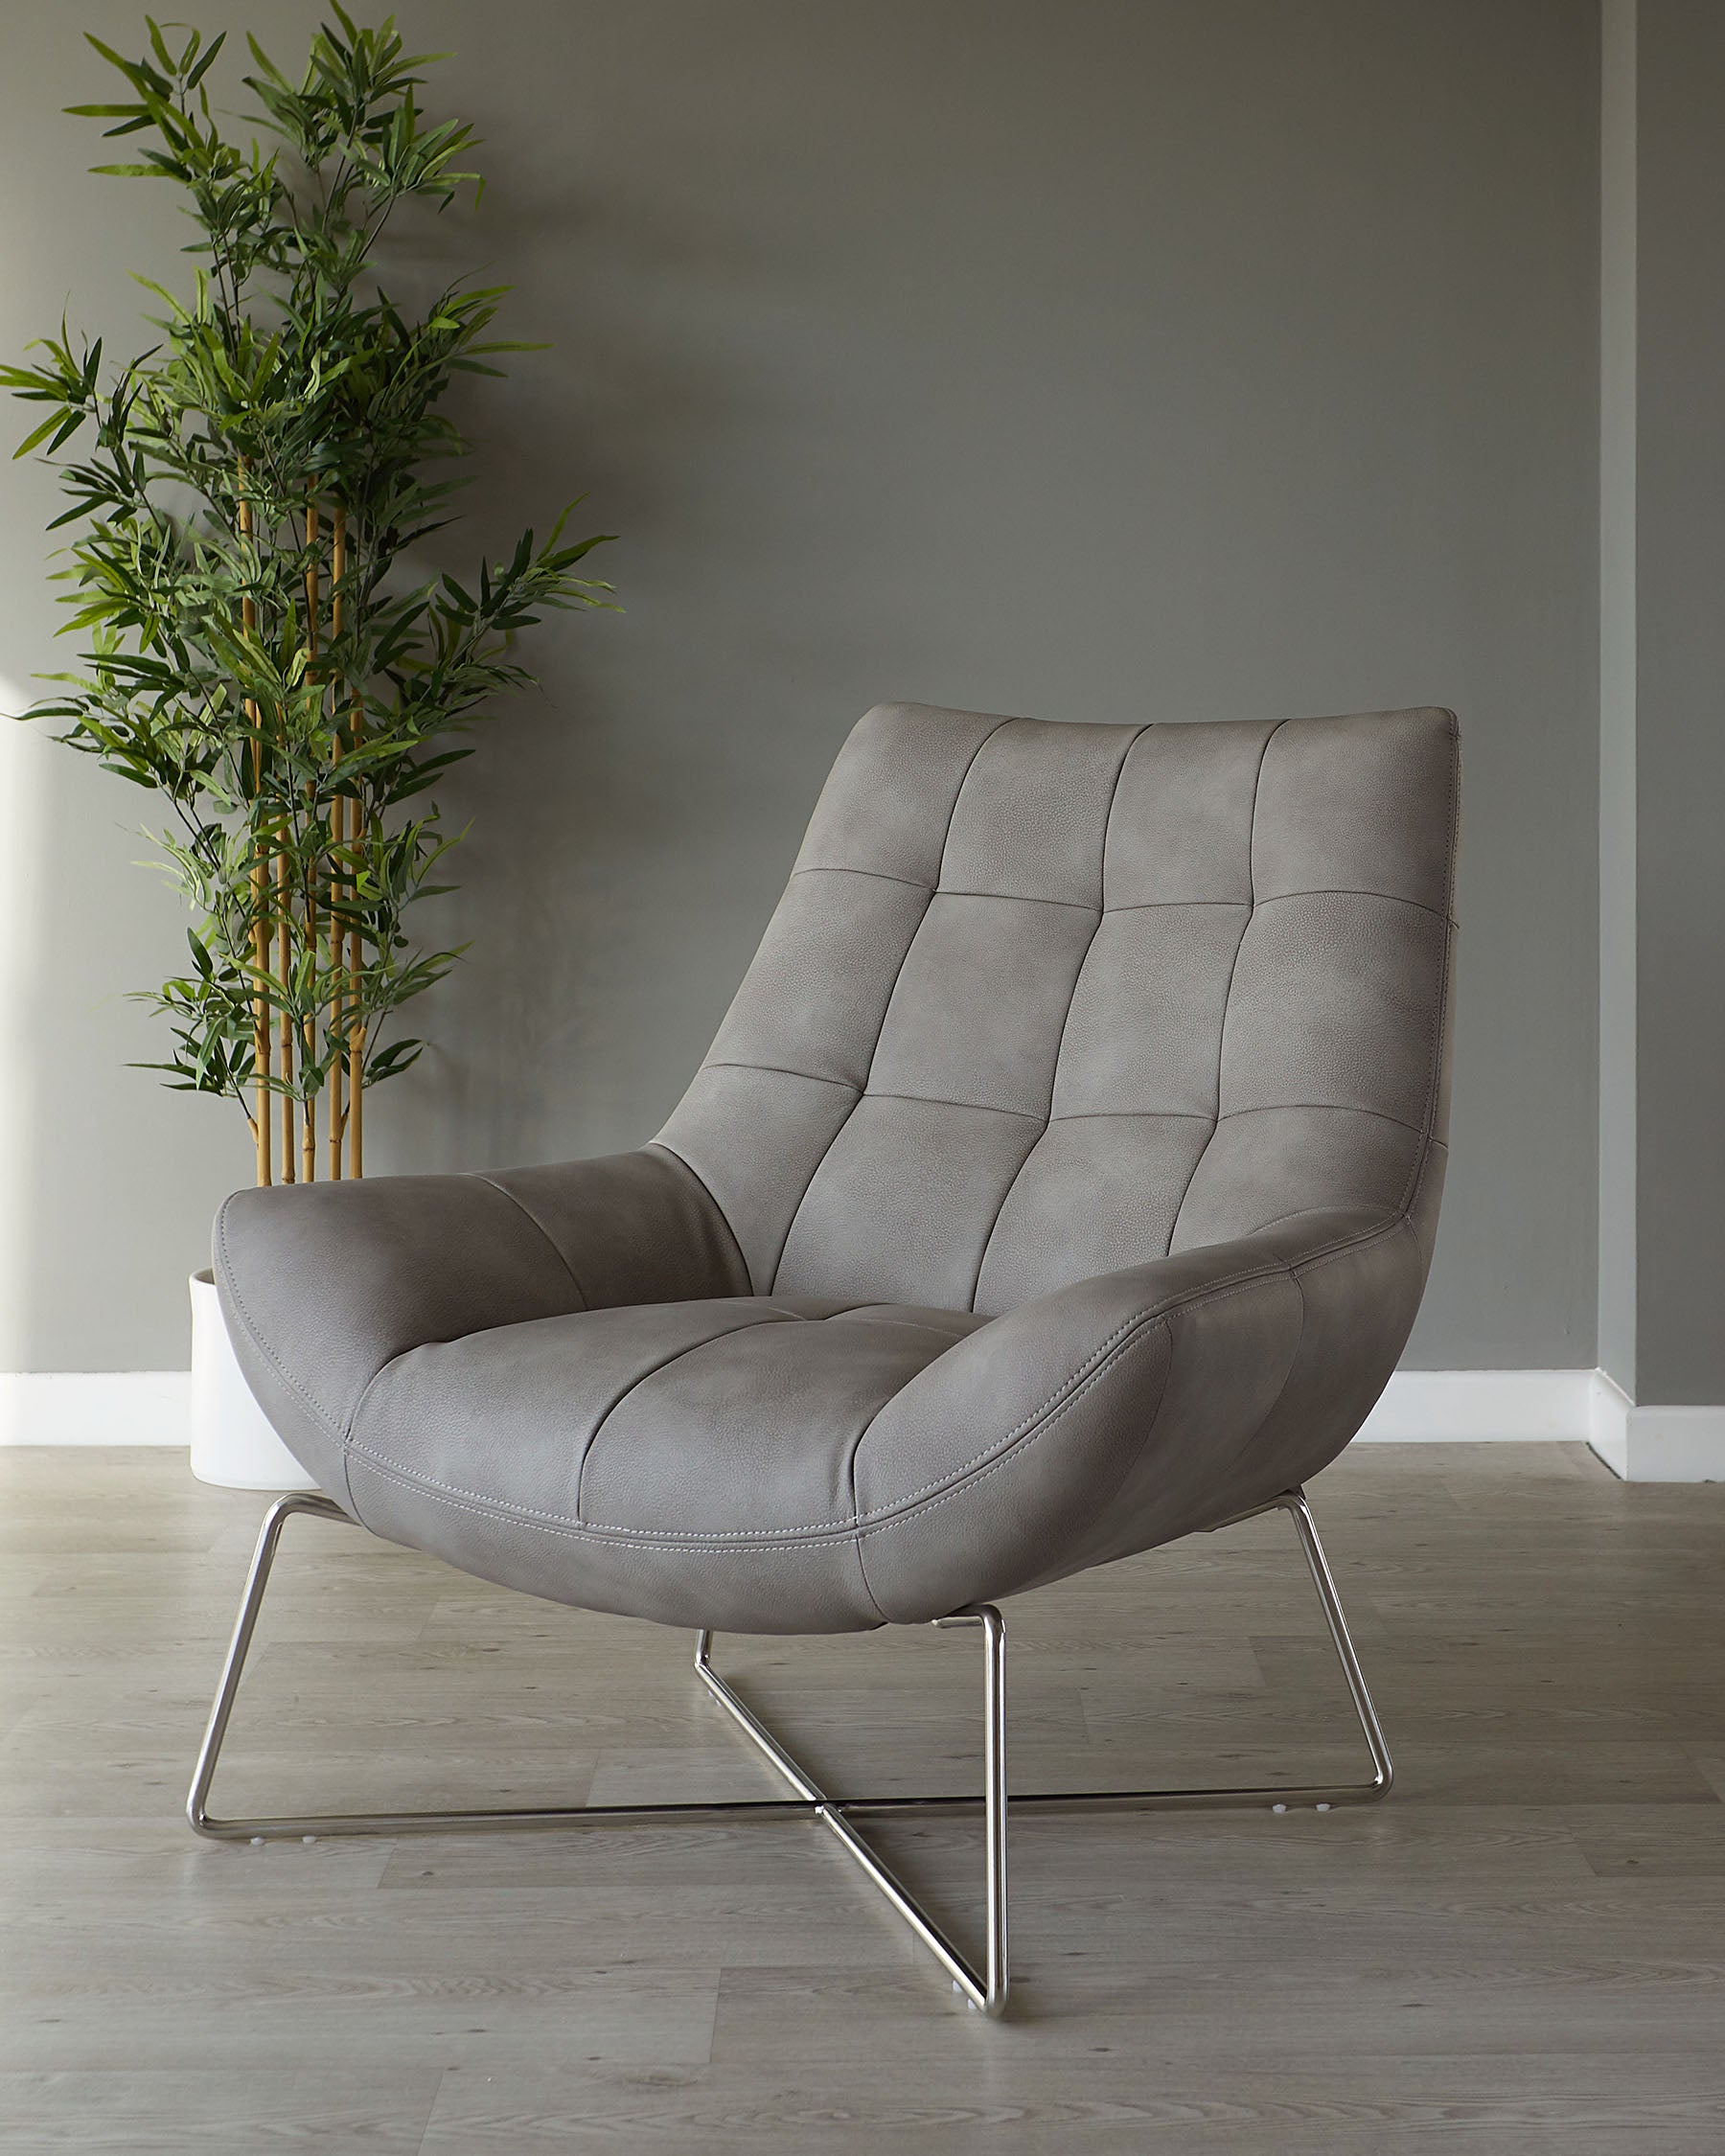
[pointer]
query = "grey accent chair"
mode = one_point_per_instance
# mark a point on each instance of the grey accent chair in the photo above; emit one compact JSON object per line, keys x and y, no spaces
{"x":1063,"y":1180}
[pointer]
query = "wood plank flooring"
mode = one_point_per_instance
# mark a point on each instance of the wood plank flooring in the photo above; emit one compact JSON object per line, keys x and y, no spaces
{"x":1521,"y":1954}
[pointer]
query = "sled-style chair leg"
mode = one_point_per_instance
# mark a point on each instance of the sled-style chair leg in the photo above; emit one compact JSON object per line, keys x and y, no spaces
{"x":986,"y":1988}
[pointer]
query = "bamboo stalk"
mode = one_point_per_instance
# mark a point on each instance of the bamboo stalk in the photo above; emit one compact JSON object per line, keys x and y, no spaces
{"x":308,"y":1133}
{"x":284,"y":965}
{"x":260,"y":1119}
{"x":312,"y":580}
{"x":337,"y":835}
{"x":260,"y":875}
{"x":355,"y":1071}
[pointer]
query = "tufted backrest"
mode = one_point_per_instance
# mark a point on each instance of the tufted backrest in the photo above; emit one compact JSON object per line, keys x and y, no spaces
{"x":1044,"y":1000}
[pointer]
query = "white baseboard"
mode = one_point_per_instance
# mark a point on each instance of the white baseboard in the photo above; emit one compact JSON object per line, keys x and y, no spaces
{"x":94,"y":1407}
{"x":1674,"y":1445}
{"x":1654,"y":1444}
{"x":1608,"y":1423}
{"x":1481,"y":1407}
{"x":1642,"y":1444}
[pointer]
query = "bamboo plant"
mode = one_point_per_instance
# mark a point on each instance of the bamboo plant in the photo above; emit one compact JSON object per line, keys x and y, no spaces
{"x":245,"y":494}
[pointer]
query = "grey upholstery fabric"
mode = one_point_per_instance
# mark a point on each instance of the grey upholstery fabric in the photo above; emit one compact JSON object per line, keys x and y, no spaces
{"x":1063,"y":1177}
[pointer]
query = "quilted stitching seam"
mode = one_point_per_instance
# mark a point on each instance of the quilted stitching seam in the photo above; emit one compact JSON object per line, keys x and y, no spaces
{"x":678,"y":1163}
{"x":1228,"y":994}
{"x":886,"y":1005}
{"x":1324,"y":1108}
{"x":551,"y":1524}
{"x":527,"y":1213}
{"x":1102,"y":912}
{"x":665,"y":1362}
{"x":1351,"y":890}
{"x":779,"y":1070}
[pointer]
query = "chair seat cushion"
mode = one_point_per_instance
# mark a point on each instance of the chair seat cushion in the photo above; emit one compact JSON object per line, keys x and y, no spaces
{"x":701,"y":1424}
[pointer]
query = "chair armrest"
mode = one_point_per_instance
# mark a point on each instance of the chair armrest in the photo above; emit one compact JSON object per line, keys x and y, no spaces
{"x":1133,"y":1408}
{"x":322,"y":1284}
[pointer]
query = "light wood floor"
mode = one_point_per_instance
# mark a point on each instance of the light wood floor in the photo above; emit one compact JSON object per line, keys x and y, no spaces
{"x":1521,"y":1954}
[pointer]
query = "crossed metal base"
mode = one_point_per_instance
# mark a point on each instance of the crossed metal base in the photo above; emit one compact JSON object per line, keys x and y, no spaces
{"x":986,"y":1988}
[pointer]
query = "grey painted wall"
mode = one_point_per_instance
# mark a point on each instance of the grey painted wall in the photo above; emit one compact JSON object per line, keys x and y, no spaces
{"x":1114,"y":361}
{"x":1619,"y":1052}
{"x":1680,"y":731}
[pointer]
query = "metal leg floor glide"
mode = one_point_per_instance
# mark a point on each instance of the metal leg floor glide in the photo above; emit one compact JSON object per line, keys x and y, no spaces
{"x":986,"y":1988}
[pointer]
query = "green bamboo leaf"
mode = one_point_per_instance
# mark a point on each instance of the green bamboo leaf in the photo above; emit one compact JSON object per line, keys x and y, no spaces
{"x":204,"y":66}
{"x":37,"y":434}
{"x":109,"y":55}
{"x":158,"y":46}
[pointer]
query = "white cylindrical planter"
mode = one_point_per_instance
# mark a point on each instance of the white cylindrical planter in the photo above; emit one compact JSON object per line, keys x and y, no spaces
{"x":232,"y":1440}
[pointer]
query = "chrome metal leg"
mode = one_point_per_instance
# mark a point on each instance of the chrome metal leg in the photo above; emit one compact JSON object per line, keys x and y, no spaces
{"x":1382,"y":1768}
{"x":309,"y":1826}
{"x":987,"y":1989}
